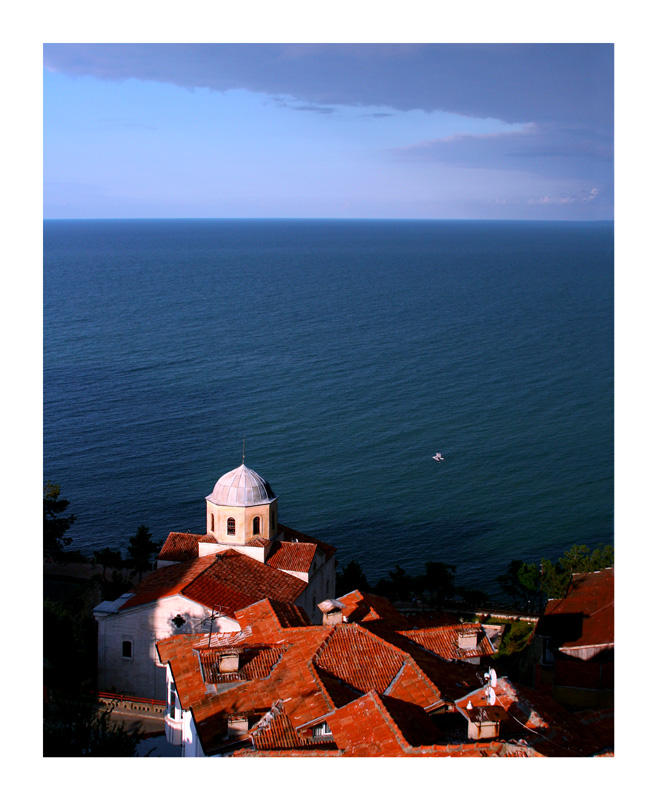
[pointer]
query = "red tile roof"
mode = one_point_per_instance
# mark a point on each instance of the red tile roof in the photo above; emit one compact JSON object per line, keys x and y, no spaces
{"x":340,"y":674}
{"x":255,"y":662}
{"x":167,"y":581}
{"x":180,"y":547}
{"x":289,"y":615}
{"x":585,"y":616}
{"x":293,"y":556}
{"x":363,"y":607}
{"x":535,"y":717}
{"x":358,"y":658}
{"x":290,"y":535}
{"x":444,"y":641}
{"x":230,"y":579}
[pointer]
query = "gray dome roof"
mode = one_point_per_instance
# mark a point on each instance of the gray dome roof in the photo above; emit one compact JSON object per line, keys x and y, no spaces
{"x":241,"y":487}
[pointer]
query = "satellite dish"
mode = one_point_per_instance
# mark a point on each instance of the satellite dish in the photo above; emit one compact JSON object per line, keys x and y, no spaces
{"x":492,"y":677}
{"x":490,"y":695}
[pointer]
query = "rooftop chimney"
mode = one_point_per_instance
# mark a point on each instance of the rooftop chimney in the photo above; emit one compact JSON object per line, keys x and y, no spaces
{"x":331,"y":611}
{"x":468,"y":639}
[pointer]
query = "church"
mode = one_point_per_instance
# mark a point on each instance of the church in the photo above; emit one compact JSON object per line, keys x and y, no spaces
{"x":202,"y":580}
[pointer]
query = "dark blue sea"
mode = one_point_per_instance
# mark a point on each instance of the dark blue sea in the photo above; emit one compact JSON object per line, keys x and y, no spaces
{"x":347,"y":353}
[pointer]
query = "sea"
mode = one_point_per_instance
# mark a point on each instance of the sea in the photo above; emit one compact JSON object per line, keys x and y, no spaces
{"x":337,"y":357}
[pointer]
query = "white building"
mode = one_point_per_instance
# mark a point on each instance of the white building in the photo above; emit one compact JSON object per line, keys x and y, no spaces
{"x":244,"y":556}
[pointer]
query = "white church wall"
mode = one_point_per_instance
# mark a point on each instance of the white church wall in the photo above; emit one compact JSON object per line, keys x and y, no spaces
{"x":136,"y":631}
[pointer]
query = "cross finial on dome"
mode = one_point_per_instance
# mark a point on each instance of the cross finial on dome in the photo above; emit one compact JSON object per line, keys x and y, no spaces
{"x":243,"y":447}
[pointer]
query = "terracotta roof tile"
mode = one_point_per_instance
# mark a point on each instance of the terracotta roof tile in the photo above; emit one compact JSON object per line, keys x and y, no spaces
{"x":363,"y":607}
{"x":293,"y":556}
{"x":585,"y":616}
{"x":167,"y":581}
{"x":444,"y":641}
{"x":255,"y":662}
{"x":289,"y":615}
{"x":235,"y":580}
{"x":229,"y":579}
{"x":358,"y":658}
{"x":373,"y":694}
{"x":288,"y":535}
{"x":180,"y":547}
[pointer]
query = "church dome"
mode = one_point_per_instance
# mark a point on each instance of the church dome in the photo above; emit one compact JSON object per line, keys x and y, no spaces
{"x":241,"y":487}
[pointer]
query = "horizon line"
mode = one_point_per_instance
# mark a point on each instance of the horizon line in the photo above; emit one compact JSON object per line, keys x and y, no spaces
{"x":316,"y":219}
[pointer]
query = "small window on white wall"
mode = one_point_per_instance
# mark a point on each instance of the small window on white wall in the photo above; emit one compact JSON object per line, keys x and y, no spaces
{"x":256,"y":526}
{"x":230,"y":526}
{"x":212,"y":522}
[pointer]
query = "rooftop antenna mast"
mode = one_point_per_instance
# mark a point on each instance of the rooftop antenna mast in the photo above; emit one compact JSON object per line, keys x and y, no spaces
{"x":214,"y":615}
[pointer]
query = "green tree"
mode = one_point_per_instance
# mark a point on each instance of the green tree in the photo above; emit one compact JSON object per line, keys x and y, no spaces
{"x":55,"y":525}
{"x":556,"y":577}
{"x":108,"y":559}
{"x":532,"y":584}
{"x":141,"y":549}
{"x":522,"y":582}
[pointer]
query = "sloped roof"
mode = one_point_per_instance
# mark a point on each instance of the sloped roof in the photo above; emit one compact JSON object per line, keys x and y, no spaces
{"x":315,"y":669}
{"x":363,"y":607}
{"x":359,"y":659}
{"x":537,"y":718}
{"x":293,"y":556}
{"x":290,"y":535}
{"x":374,"y":696}
{"x":229,"y":579}
{"x":374,"y":725}
{"x":167,"y":581}
{"x":180,"y":547}
{"x":444,"y":641}
{"x":585,"y":616}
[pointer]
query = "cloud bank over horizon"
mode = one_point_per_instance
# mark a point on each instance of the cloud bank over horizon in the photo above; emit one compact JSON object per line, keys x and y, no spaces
{"x":388,"y":130}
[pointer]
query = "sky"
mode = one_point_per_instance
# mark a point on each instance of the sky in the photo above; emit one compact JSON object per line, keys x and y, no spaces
{"x":402,"y":131}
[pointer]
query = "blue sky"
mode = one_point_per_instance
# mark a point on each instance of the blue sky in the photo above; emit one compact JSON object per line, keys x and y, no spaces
{"x":348,"y":131}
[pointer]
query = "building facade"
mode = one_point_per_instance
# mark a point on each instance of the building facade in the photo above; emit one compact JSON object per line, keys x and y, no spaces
{"x":202,"y":580}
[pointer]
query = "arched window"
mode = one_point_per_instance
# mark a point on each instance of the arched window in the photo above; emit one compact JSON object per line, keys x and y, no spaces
{"x":212,"y":522}
{"x":230,"y":526}
{"x":256,"y":526}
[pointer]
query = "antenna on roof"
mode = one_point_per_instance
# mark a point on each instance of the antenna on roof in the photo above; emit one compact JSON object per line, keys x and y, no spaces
{"x":490,"y":695}
{"x":214,"y":615}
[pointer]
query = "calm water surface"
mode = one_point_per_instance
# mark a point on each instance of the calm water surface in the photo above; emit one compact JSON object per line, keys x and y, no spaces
{"x":347,"y":353}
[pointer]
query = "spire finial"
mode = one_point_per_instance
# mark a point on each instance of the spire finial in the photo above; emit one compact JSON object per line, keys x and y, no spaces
{"x":243,"y":447}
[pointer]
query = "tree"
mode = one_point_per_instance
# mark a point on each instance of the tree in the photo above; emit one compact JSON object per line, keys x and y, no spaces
{"x":397,"y":586}
{"x":108,"y":558}
{"x":522,"y":582}
{"x":533,"y":583}
{"x":351,"y":578}
{"x":437,"y":583}
{"x":54,"y":525}
{"x":74,"y":728}
{"x":141,"y":550}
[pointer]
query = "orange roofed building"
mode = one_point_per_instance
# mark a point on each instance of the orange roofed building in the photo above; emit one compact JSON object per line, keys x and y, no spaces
{"x":574,"y":642}
{"x":283,"y":687}
{"x":202,"y":580}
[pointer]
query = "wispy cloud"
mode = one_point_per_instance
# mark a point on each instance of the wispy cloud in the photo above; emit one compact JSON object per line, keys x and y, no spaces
{"x":565,"y":199}
{"x":540,"y":149}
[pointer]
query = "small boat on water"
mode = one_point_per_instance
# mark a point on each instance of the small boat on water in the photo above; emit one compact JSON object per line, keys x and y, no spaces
{"x":437,"y":457}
